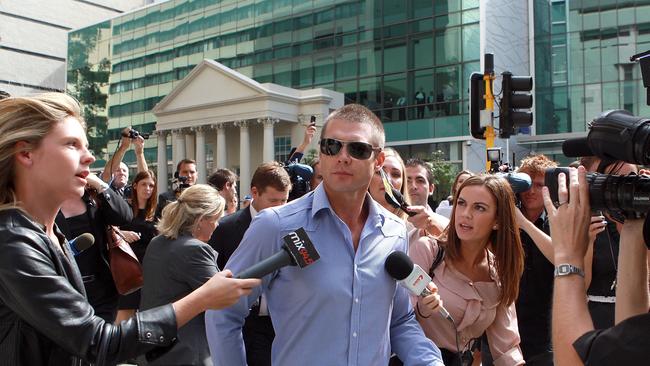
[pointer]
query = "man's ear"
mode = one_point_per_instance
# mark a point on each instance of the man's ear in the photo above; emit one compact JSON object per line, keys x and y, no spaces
{"x":432,"y":188}
{"x":379,"y":160}
{"x":23,"y":153}
{"x":254,"y":193}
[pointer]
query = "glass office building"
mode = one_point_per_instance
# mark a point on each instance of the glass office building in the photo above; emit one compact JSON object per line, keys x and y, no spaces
{"x":582,"y":60}
{"x":406,"y":60}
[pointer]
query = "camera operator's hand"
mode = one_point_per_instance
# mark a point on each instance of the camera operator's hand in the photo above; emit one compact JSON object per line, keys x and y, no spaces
{"x":130,"y":236}
{"x":425,"y":219}
{"x":95,"y":183}
{"x":597,"y":226}
{"x":125,"y":143}
{"x":138,"y":145}
{"x":570,"y":220}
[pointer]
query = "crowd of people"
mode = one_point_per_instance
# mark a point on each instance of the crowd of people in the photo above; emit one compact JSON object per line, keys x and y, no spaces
{"x":524,"y":280}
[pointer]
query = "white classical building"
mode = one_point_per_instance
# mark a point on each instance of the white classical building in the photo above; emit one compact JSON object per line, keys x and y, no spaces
{"x":215,"y":108}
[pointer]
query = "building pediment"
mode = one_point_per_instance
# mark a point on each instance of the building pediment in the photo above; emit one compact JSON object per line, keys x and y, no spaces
{"x":210,"y":84}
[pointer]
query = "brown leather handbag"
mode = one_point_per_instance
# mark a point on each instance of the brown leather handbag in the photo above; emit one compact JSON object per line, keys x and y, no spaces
{"x":125,"y":267}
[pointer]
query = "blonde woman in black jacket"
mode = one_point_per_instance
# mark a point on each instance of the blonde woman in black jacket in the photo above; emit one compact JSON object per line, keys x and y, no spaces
{"x":46,"y":319}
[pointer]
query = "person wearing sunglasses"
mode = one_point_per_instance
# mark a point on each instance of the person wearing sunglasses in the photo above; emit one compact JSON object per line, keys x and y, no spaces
{"x":345,"y":308}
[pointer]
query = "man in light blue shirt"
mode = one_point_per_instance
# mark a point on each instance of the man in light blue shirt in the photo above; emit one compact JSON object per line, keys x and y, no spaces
{"x":344,"y":309}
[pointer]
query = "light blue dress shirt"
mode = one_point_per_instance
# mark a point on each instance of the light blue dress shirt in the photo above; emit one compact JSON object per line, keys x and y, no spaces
{"x":344,"y":309}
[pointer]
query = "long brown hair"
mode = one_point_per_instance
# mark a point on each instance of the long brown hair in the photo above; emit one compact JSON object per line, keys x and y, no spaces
{"x":150,"y":207}
{"x":505,"y":241}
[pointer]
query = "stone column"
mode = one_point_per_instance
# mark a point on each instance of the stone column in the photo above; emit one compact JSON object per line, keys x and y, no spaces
{"x":190,"y":145}
{"x":268,"y":149}
{"x":182,"y":148}
{"x":162,"y":161}
{"x":201,"y":159}
{"x":244,"y":158}
{"x":221,"y":146}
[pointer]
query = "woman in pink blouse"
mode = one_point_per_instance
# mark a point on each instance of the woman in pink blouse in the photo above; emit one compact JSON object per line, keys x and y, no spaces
{"x":478,"y":280}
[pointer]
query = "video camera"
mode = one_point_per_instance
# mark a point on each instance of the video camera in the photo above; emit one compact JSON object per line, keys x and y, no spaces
{"x":179,"y":183}
{"x":300,"y":175}
{"x":133,"y":134}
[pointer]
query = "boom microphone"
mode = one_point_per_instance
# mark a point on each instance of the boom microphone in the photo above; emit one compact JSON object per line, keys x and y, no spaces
{"x":411,"y":276}
{"x":81,"y":243}
{"x":297,"y":250}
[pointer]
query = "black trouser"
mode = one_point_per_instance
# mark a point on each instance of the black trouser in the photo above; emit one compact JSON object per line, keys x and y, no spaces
{"x":258,"y":336}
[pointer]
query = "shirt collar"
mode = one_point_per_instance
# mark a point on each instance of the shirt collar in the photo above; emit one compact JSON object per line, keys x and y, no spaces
{"x":321,"y":202}
{"x":254,"y":212}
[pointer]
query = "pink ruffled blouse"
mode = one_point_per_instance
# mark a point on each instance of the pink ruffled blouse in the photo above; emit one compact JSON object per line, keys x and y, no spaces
{"x":473,"y":305}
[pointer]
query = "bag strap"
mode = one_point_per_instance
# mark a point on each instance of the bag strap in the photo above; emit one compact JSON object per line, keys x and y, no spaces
{"x":437,"y":260}
{"x":104,"y":342}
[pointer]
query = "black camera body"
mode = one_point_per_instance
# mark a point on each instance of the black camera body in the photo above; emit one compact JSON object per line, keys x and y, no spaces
{"x":300,"y":175}
{"x":179,"y":183}
{"x":133,"y":134}
{"x":621,"y":196}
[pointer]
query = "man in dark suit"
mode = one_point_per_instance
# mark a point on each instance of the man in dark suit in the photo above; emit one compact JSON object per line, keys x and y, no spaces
{"x":270,"y":187}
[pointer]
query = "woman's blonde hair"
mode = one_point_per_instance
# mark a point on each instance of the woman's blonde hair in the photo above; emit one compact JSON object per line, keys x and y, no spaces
{"x":505,"y":241}
{"x":28,"y":119}
{"x":182,"y":216}
{"x":389,"y":151}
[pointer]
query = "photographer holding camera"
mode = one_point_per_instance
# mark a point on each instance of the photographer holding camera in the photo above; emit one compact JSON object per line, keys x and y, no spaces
{"x":574,"y":338}
{"x":184,"y":177}
{"x":116,"y":172}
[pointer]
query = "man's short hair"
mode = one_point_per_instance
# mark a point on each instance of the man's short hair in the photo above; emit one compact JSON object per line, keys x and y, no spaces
{"x":536,"y":164}
{"x":183,"y":162}
{"x":220,"y":177}
{"x":271,"y":174}
{"x":359,"y":114}
{"x":417,"y":162}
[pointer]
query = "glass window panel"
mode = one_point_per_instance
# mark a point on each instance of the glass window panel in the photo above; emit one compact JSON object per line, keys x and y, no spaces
{"x":422,"y":51}
{"x":423,"y":82}
{"x":303,"y":72}
{"x":282,"y":73}
{"x":559,"y":64}
{"x":394,"y":11}
{"x":609,"y":59}
{"x":593,"y":100}
{"x":468,"y":69}
{"x":576,"y":60}
{"x":471,"y":40}
{"x":577,"y":109}
{"x":611,"y":95}
{"x":369,"y":92}
{"x":394,"y":89}
{"x":590,"y":21}
{"x":395,"y":56}
{"x":470,"y":16}
{"x":445,"y":21}
{"x":558,"y":12}
{"x":626,"y":16}
{"x":447,"y":46}
{"x":323,"y":70}
{"x":469,"y":4}
{"x":421,"y":25}
{"x":447,"y":89}
{"x":346,"y":63}
{"x":369,"y":60}
{"x":446,"y":6}
{"x":592,"y":61}
{"x":421,"y":8}
{"x":349,"y":90}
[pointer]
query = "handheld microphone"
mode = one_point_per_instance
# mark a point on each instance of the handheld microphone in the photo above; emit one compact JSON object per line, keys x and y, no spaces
{"x":81,"y":243}
{"x":411,"y":276}
{"x":297,"y":250}
{"x":519,"y":182}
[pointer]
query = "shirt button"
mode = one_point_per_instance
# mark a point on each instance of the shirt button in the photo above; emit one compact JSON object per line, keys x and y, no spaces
{"x":471,"y":284}
{"x":162,"y":338}
{"x":354,"y":334}
{"x":356,"y":300}
{"x":148,"y":335}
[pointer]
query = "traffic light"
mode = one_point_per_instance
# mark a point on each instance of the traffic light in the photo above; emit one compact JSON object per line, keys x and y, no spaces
{"x":513,"y":99}
{"x":476,"y":104}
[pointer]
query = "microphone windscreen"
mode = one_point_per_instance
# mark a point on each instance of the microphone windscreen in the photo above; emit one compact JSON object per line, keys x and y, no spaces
{"x":576,"y":147}
{"x":398,"y":265}
{"x":84,"y":241}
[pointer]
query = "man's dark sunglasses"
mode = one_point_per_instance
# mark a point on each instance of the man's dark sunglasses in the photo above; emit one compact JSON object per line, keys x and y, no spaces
{"x":356,"y":149}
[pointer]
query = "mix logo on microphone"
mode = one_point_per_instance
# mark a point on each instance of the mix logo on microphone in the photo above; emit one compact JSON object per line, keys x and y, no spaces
{"x":301,"y":247}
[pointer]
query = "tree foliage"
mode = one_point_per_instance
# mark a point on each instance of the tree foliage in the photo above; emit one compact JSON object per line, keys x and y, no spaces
{"x":444,"y":173}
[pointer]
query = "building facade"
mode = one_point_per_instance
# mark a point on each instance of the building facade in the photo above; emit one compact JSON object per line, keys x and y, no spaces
{"x":33,"y":38}
{"x":407,"y":60}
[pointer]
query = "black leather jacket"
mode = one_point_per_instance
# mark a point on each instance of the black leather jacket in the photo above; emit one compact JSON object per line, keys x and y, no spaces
{"x":45,"y":318}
